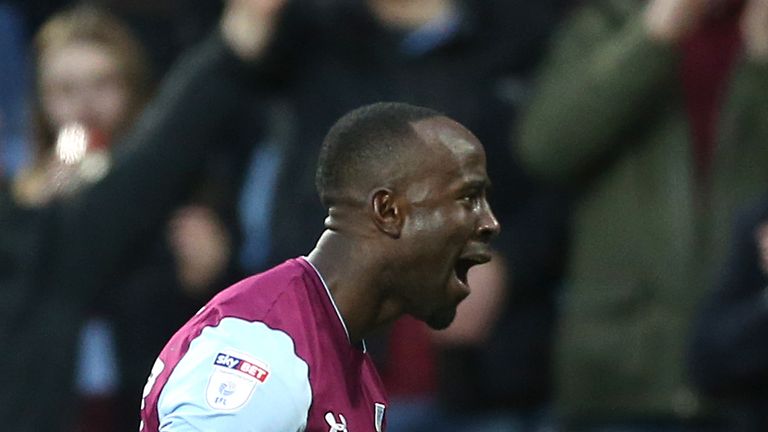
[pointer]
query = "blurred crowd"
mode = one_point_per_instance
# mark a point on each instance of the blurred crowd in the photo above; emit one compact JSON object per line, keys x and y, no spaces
{"x":153,"y":152}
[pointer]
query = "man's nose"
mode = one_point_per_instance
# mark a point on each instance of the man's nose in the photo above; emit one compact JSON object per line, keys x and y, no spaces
{"x":488,"y":226}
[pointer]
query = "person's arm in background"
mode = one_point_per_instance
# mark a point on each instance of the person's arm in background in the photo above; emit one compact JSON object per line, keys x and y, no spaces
{"x":162,"y":154}
{"x":609,"y":68}
{"x":728,"y":353}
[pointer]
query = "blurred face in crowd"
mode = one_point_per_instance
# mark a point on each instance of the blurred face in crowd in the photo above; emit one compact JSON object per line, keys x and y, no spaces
{"x":80,"y":82}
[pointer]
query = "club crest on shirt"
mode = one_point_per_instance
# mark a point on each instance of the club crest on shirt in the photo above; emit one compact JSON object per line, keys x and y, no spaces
{"x":234,"y":377}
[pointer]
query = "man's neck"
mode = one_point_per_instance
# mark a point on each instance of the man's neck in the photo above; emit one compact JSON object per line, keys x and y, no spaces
{"x":352,"y":283}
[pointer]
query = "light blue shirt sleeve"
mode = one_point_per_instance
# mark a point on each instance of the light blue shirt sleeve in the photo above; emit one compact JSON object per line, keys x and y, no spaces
{"x":237,"y":376}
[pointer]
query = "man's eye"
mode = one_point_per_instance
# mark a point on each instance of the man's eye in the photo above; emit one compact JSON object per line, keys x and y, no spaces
{"x":471,"y":198}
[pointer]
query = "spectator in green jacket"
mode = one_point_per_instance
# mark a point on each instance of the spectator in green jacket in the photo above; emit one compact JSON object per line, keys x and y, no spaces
{"x":655,"y":113}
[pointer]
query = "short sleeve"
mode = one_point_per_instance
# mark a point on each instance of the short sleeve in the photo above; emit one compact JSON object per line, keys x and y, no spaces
{"x":237,"y":376}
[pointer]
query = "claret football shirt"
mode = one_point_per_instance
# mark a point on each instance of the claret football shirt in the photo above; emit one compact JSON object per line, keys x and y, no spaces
{"x":270,"y":353}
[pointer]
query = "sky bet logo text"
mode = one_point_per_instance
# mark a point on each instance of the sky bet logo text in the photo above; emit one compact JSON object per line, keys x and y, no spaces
{"x":243,"y":366}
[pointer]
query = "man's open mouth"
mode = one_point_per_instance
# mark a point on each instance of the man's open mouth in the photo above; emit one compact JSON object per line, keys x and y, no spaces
{"x":464,"y":263}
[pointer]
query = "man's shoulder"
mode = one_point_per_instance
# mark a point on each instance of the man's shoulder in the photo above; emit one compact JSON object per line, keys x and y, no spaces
{"x":273,"y":305}
{"x":257,"y":296}
{"x":228,"y":377}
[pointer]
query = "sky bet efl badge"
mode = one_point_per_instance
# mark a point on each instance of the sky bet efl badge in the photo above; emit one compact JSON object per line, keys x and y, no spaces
{"x":233,"y":380}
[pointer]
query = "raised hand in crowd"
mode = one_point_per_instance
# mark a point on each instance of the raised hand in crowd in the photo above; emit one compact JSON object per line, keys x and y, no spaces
{"x":761,"y":238}
{"x":671,"y":21}
{"x":248,"y":25}
{"x":754,"y":30}
{"x":201,"y":247}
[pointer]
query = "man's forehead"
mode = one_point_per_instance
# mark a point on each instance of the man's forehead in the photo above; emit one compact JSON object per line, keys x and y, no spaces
{"x":455,"y":150}
{"x":443,"y":133}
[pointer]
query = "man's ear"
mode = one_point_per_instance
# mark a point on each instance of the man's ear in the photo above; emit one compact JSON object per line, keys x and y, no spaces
{"x":388,"y":213}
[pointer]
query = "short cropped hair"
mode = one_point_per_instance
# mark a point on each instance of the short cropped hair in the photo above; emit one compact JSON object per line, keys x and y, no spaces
{"x":360,"y":140}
